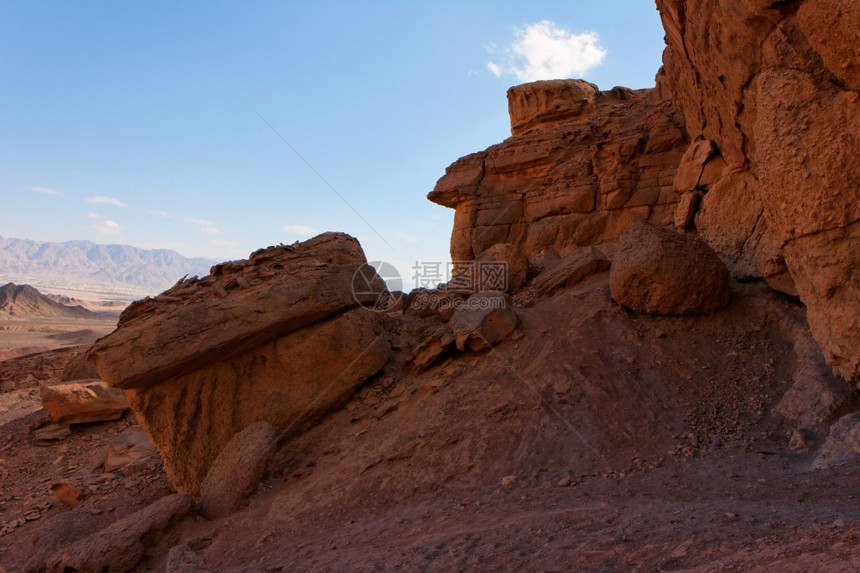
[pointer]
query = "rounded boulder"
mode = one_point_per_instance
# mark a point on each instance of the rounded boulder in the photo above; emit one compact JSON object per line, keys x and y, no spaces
{"x":664,"y":272}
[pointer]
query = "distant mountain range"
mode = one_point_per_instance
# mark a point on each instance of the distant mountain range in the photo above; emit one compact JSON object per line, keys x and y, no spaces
{"x":118,"y":270}
{"x":23,"y":302}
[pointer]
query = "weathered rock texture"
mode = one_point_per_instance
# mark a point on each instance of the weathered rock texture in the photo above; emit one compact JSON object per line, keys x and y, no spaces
{"x":770,"y":90}
{"x":83,"y":401}
{"x":278,"y":338}
{"x":659,"y":271}
{"x":580,"y":166}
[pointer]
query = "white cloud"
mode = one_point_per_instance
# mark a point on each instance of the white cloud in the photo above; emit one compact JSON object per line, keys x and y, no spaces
{"x":210,"y":230}
{"x":45,"y":190}
{"x":102,"y":200}
{"x":544,"y":51}
{"x":108,"y":227}
{"x":300,"y":230}
{"x":202,"y":222}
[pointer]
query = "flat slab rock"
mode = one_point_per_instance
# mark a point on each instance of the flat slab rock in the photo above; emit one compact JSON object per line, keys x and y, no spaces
{"x":83,"y":401}
{"x":236,"y":308}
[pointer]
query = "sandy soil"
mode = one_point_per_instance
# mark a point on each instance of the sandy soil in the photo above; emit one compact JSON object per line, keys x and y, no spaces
{"x":18,"y":337}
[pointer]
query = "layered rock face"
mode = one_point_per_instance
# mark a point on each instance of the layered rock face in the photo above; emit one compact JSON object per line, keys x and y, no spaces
{"x":581,"y":165}
{"x":771,"y":93}
{"x":279,"y":338}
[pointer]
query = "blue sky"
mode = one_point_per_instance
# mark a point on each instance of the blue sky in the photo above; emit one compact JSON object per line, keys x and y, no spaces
{"x":140,"y":122}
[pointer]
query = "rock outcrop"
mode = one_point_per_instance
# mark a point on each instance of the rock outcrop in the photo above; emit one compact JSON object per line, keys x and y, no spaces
{"x":278,"y":338}
{"x":659,"y":271}
{"x":581,"y":165}
{"x":771,"y":90}
{"x":750,"y":139}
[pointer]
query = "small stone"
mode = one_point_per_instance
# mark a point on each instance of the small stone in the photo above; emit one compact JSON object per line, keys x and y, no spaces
{"x":565,"y":481}
{"x":730,"y":515}
{"x":66,"y":494}
{"x":798,"y":442}
{"x":509,"y":481}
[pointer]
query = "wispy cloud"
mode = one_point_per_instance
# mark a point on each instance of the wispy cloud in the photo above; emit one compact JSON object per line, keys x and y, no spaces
{"x":45,"y":190}
{"x":206,"y":227}
{"x":299,"y":230}
{"x":102,"y":200}
{"x":104,"y":226}
{"x":544,"y":50}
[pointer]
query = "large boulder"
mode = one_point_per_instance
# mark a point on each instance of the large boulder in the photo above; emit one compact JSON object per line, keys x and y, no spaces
{"x":236,"y":471}
{"x":279,"y":338}
{"x":660,"y":271}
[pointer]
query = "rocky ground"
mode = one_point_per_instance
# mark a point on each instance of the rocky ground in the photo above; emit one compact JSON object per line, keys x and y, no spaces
{"x":593,"y":439}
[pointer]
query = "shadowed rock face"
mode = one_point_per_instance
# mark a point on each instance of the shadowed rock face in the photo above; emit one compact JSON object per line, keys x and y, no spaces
{"x":775,"y":91}
{"x":278,"y":338}
{"x":581,"y":165}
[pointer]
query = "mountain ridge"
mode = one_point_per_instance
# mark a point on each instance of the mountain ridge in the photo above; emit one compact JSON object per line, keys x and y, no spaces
{"x":24,"y":301}
{"x":82,"y":265}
